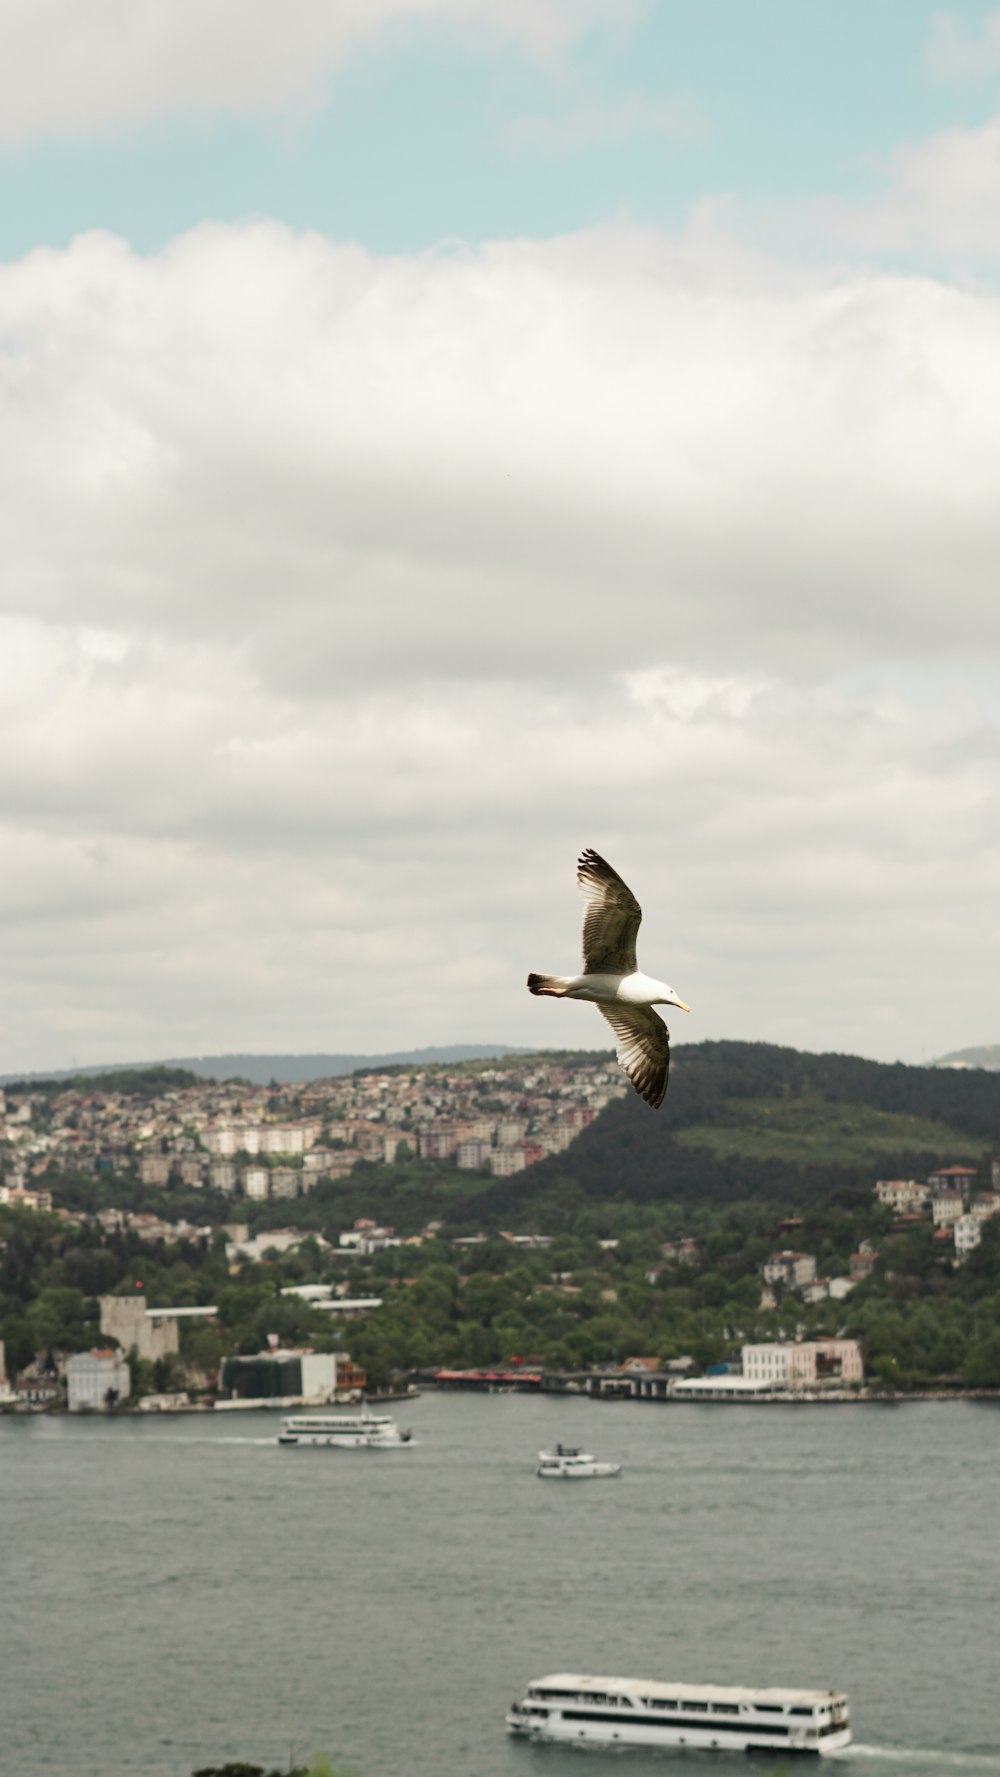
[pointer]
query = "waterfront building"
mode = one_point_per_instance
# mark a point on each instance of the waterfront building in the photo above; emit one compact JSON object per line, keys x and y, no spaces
{"x":293,"y":1377}
{"x":719,"y":1388}
{"x":38,"y":1388}
{"x":803,"y":1363}
{"x":97,"y":1380}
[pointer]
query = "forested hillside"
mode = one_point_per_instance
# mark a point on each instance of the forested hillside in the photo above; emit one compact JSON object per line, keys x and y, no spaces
{"x":753,"y":1120}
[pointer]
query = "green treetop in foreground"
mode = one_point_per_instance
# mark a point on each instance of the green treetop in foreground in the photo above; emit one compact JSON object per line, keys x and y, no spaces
{"x":320,"y":1767}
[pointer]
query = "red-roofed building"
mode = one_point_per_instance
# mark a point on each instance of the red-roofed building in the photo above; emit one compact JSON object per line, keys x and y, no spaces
{"x":952,"y":1178}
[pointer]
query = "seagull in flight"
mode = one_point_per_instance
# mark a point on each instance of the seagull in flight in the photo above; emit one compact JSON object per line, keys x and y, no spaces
{"x":612,"y":979}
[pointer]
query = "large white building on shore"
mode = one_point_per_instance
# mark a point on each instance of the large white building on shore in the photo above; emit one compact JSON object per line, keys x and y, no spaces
{"x":97,"y":1380}
{"x":804,"y":1363}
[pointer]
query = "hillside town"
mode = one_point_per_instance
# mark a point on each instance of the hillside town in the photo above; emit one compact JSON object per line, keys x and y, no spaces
{"x":949,"y":1200}
{"x":262,"y":1143}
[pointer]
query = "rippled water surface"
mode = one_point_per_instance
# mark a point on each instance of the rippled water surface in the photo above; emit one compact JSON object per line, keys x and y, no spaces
{"x":183,"y":1591}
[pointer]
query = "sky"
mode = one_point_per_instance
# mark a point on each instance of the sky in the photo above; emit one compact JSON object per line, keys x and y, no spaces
{"x":438,"y":435}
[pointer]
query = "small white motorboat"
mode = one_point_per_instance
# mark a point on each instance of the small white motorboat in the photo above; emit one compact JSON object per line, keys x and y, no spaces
{"x":565,"y":1463}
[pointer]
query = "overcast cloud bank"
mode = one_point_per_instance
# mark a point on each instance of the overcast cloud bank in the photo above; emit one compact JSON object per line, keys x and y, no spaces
{"x":347,"y":598}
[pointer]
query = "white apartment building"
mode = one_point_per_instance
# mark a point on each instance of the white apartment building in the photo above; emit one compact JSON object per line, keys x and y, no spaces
{"x":905,"y":1195}
{"x":256,"y":1181}
{"x":221,"y":1141}
{"x":472,"y":1153}
{"x":510,"y":1131}
{"x":968,"y":1234}
{"x":290,"y":1138}
{"x":792,"y":1269}
{"x":437,"y":1144}
{"x":154,"y":1169}
{"x":97,"y":1380}
{"x":947,"y":1209}
{"x":504,"y":1162}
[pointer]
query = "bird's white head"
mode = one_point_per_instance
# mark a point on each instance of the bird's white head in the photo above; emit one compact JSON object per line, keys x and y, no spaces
{"x":668,"y":997}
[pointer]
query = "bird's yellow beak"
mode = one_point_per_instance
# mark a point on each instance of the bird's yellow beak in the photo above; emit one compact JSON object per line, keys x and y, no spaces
{"x":682,"y":1006}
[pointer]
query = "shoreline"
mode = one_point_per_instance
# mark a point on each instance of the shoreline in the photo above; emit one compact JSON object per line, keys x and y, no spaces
{"x":867,"y":1399}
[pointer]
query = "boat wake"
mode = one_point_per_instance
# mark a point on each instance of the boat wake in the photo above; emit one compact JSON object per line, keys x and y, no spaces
{"x":267,"y":1442}
{"x":923,"y":1755}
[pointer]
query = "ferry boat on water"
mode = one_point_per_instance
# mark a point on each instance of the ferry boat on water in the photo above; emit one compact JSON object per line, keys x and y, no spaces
{"x":639,"y":1712}
{"x":344,"y":1431}
{"x":565,"y":1463}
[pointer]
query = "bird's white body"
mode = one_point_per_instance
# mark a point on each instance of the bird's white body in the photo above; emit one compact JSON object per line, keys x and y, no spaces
{"x":636,"y":989}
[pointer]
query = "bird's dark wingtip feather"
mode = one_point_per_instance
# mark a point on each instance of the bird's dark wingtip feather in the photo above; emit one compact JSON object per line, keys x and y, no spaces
{"x":590,"y":863}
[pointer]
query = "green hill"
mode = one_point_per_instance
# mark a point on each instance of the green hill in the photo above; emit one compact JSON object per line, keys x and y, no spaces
{"x":752,"y":1120}
{"x":810,"y":1130}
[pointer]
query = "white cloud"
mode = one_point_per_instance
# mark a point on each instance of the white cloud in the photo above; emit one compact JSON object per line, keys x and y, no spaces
{"x":346,"y":598}
{"x":76,"y":67}
{"x":936,"y":205}
{"x":953,"y":52}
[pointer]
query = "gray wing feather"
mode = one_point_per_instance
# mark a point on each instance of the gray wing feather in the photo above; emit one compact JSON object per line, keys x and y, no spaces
{"x":643,"y":1048}
{"x":611,"y":921}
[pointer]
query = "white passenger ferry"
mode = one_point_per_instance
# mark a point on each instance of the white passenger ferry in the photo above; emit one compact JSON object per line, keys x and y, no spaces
{"x":565,"y":1463}
{"x":344,"y":1431}
{"x":638,"y":1712}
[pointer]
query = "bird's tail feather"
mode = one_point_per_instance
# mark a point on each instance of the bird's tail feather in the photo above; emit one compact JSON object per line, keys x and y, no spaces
{"x":549,"y":984}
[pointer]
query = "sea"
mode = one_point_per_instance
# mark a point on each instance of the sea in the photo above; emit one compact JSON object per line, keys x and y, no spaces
{"x":181,"y":1591}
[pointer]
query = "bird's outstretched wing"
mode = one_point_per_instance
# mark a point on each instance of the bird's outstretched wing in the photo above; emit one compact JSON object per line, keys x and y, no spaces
{"x":643,"y":1048}
{"x":611,"y":921}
